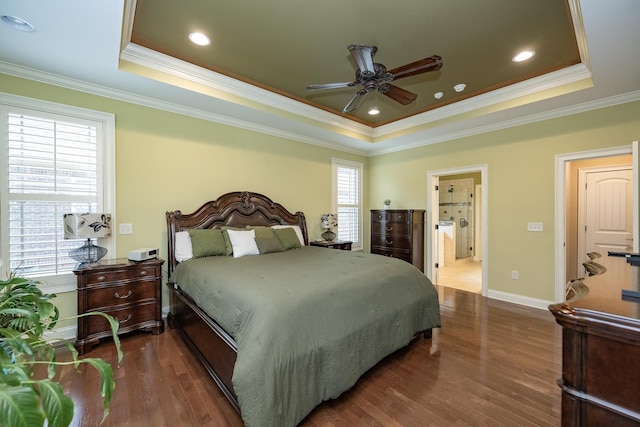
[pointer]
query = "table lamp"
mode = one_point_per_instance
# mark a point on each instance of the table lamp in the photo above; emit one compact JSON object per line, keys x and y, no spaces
{"x":329,"y":221}
{"x":87,"y":226}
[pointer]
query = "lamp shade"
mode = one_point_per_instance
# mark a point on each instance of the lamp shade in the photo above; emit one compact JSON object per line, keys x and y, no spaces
{"x":87,"y":225}
{"x":329,"y":220}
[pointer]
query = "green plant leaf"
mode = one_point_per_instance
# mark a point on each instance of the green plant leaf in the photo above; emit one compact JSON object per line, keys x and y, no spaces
{"x":19,"y":407}
{"x":57,"y":407}
{"x":107,"y":385}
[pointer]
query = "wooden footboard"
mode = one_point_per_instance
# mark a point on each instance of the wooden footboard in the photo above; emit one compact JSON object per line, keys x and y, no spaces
{"x":215,"y":349}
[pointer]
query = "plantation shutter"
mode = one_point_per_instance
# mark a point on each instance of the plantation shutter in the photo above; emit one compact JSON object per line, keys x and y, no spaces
{"x":349,"y":201}
{"x":53,"y":168}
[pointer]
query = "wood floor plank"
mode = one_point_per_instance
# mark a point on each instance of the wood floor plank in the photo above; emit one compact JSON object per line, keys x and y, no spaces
{"x":491,"y":364}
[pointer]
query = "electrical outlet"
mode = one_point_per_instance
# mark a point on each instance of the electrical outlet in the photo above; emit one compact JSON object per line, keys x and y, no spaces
{"x":514,"y":274}
{"x":126,"y":229}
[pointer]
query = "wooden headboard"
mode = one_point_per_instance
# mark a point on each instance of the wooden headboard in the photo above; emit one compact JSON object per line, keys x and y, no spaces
{"x":237,"y":209}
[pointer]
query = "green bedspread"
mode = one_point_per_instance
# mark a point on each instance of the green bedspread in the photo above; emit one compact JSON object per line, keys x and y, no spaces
{"x":308,"y":322}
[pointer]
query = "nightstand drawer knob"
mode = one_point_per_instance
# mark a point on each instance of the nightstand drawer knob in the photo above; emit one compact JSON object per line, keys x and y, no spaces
{"x":101,"y":278}
{"x":117,"y":295}
{"x":125,"y":320}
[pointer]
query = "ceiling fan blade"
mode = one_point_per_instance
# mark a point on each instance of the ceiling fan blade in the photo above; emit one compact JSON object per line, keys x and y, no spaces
{"x":400,"y":95}
{"x":330,"y":86}
{"x":355,"y":102}
{"x":432,"y":63}
{"x":363,"y":55}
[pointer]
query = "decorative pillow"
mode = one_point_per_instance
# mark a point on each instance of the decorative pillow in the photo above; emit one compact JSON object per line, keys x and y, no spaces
{"x":207,"y":242}
{"x":262,"y":231}
{"x":183,"y":246}
{"x":288,"y":238}
{"x":296,"y":228}
{"x":243,"y":242}
{"x":227,"y":242}
{"x":267,"y":245}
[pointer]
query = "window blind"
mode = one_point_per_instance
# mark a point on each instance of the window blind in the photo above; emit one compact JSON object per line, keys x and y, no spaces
{"x":53,"y":169}
{"x":348,"y":202}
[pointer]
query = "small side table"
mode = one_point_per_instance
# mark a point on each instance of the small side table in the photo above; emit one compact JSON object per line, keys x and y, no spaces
{"x":127,"y":290}
{"x":343,"y":245}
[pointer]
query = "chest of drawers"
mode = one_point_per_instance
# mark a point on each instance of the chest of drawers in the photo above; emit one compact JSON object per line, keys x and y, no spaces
{"x":127,"y":290}
{"x":399,"y":233}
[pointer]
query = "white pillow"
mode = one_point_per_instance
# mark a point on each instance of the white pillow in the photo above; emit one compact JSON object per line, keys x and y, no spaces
{"x":183,"y":246}
{"x":297,"y":230}
{"x":243,"y":242}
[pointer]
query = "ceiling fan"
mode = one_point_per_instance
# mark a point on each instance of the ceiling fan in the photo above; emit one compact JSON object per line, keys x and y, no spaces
{"x":372,"y":75}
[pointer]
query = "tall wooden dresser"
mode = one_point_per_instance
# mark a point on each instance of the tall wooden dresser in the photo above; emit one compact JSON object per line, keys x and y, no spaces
{"x":399,"y":233}
{"x":600,"y":380}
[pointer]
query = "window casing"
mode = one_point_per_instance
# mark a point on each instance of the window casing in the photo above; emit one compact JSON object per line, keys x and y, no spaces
{"x":55,"y":159}
{"x":347,"y":200}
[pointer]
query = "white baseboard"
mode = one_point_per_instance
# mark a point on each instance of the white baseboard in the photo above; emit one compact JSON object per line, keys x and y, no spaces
{"x":67,"y":333}
{"x":519,"y":299}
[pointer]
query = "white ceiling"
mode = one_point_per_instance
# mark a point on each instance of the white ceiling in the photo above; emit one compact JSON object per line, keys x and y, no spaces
{"x":84,"y":45}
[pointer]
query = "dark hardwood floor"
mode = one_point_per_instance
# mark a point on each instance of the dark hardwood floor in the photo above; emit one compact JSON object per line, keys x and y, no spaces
{"x":491,"y":364}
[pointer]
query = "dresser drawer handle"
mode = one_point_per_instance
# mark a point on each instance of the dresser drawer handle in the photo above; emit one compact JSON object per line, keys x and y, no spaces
{"x":389,"y":242}
{"x":117,"y":295}
{"x":143,"y":273}
{"x":389,"y":228}
{"x":101,"y":278}
{"x":125,"y":320}
{"x":379,"y":216}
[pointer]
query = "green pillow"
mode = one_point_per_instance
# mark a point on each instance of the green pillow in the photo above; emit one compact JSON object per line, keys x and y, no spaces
{"x":207,"y":242}
{"x":227,"y":241}
{"x":287,"y":237}
{"x":262,"y":231}
{"x":267,"y":245}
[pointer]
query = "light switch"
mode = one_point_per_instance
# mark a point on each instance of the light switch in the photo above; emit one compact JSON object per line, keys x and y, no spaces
{"x":534,"y":226}
{"x":126,"y":229}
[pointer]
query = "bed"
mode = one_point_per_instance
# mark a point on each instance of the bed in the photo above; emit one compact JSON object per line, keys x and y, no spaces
{"x":280,"y":331}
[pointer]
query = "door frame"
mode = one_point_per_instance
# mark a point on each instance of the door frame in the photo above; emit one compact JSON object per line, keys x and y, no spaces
{"x":561,"y":205}
{"x":433,"y":213}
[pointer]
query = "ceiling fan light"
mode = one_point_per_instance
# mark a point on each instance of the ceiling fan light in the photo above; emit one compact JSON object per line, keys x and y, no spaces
{"x":199,"y":39}
{"x":523,"y":56}
{"x":374,"y":111}
{"x":17,"y":23}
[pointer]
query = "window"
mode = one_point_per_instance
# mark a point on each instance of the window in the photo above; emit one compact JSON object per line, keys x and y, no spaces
{"x":55,"y":159}
{"x":347,"y":200}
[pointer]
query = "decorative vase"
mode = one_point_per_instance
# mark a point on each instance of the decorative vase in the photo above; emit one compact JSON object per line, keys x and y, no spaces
{"x":328,"y":235}
{"x":386,"y":206}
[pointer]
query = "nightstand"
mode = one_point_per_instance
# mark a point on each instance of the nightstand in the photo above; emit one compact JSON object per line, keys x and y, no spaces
{"x":127,"y":290}
{"x":343,"y":245}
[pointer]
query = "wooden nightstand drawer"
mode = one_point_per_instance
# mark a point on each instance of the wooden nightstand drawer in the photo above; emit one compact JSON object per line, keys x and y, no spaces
{"x":128,"y":317}
{"x":133,"y":273}
{"x":117,"y":295}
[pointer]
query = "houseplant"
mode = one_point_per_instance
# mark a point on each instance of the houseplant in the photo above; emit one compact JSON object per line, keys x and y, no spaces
{"x":25,"y":314}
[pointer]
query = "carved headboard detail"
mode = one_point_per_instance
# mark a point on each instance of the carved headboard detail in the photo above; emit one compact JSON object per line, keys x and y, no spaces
{"x":236,"y":209}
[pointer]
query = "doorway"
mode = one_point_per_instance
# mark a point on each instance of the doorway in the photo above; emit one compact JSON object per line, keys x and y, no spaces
{"x":571,"y":205}
{"x":456,"y":231}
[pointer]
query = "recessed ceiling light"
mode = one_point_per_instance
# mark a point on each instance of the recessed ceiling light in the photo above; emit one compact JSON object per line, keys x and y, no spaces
{"x":17,"y":23}
{"x":523,"y":56}
{"x":374,"y":111}
{"x":438,"y":95}
{"x":199,"y":39}
{"x":459,"y":87}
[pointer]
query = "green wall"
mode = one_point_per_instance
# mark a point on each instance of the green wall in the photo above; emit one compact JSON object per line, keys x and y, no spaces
{"x":165,"y":161}
{"x":521,"y":184}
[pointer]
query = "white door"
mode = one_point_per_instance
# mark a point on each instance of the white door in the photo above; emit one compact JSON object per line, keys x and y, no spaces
{"x":608,"y":211}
